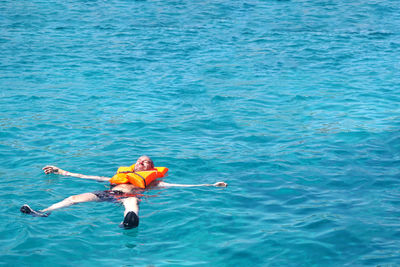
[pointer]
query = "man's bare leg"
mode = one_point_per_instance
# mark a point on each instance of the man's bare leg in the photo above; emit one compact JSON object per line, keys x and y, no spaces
{"x":131,"y":213}
{"x":86,"y":197}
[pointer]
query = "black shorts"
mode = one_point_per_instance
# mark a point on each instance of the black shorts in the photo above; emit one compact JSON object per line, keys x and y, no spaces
{"x":114,"y":195}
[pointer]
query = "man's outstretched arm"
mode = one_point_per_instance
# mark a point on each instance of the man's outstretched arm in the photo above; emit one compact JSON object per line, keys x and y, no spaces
{"x":56,"y":170}
{"x":217,"y":184}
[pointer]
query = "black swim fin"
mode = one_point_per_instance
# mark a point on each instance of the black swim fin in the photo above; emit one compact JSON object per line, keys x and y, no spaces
{"x":28,"y":210}
{"x":131,"y":220}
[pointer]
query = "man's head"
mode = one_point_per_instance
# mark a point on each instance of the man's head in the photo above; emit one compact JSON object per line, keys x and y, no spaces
{"x":144,"y":163}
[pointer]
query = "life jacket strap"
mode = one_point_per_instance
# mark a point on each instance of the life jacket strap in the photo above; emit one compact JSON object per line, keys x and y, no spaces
{"x":144,"y":180}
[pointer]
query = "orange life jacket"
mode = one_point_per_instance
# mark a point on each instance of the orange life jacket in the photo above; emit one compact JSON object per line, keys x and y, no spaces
{"x":142,"y":179}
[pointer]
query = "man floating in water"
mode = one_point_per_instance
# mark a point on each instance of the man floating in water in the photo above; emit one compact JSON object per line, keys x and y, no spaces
{"x":124,"y":189}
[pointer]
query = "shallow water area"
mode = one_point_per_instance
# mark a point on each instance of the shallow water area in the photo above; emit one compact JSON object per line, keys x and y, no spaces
{"x":294,"y":104}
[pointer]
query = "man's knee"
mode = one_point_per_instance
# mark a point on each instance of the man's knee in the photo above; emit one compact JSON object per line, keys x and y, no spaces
{"x":81,"y":198}
{"x":72,"y":199}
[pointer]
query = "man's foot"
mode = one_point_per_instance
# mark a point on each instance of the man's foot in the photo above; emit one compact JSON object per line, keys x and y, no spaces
{"x":28,"y":210}
{"x":131,"y":220}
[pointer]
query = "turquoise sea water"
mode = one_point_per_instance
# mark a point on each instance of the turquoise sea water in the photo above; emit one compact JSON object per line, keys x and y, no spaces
{"x":295,"y":104}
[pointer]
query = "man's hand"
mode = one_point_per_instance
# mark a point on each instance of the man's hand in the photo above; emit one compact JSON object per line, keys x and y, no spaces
{"x":221,"y":184}
{"x":52,"y":169}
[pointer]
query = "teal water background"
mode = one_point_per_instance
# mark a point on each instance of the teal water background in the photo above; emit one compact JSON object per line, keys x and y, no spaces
{"x":295,"y":104}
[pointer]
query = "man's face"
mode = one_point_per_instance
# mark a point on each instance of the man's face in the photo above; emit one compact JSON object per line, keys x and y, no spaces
{"x":144,"y":163}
